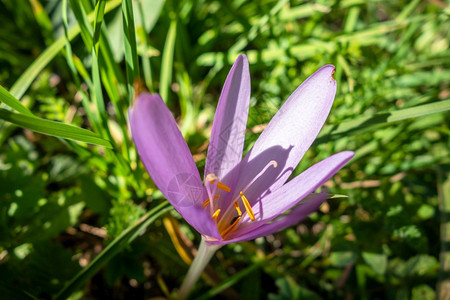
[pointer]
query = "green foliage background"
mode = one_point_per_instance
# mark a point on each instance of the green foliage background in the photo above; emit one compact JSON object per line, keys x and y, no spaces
{"x":80,"y":217}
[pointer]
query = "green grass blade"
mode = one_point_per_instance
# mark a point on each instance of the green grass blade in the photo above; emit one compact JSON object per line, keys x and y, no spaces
{"x":112,"y":249}
{"x":73,"y":63}
{"x":418,"y":111}
{"x":23,"y":83}
{"x":382,"y":118}
{"x":97,"y":93}
{"x":408,"y":9}
{"x":99,"y":13}
{"x":167,"y":61}
{"x":444,"y":207}
{"x":83,"y":22}
{"x":143,"y":39}
{"x":53,"y":128}
{"x":12,"y":102}
{"x":68,"y":47}
{"x":91,"y":38}
{"x":104,"y":70}
{"x":131,"y":58}
{"x":365,"y":37}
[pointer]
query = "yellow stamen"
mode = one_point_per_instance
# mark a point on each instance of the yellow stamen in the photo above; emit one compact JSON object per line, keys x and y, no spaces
{"x":216,"y":214}
{"x":236,"y":205}
{"x":248,"y":208}
{"x":223,"y":187}
{"x":230,"y":228}
{"x":205,"y":203}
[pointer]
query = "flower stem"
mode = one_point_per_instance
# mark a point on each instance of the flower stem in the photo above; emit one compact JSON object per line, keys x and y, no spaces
{"x":201,"y":260}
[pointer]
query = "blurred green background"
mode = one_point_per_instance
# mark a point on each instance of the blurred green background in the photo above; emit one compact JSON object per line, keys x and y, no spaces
{"x":85,"y":221}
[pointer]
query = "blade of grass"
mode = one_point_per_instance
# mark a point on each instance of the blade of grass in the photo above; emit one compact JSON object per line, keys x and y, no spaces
{"x":110,"y":71}
{"x":23,"y":83}
{"x":444,"y":208}
{"x":145,"y":58}
{"x":167,"y":61}
{"x":73,"y":68}
{"x":124,"y":239}
{"x":83,"y":22}
{"x":382,"y":118}
{"x":88,"y":35}
{"x":12,"y":102}
{"x":408,"y":10}
{"x":352,"y":19}
{"x":111,"y":77}
{"x":102,"y":56}
{"x":99,"y":13}
{"x":131,"y":58}
{"x":366,"y":36}
{"x":53,"y":128}
{"x":97,"y":85}
{"x":91,"y":38}
{"x":303,"y":11}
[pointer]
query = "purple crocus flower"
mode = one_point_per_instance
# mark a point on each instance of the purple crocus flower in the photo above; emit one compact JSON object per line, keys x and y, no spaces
{"x":240,"y":199}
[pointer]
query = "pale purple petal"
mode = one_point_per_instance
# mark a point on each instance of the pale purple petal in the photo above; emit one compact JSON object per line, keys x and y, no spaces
{"x":227,"y":135}
{"x":167,"y":158}
{"x":163,"y":151}
{"x":200,"y":219}
{"x":292,"y":193}
{"x":289,"y":134}
{"x":276,"y":203}
{"x":296,"y":215}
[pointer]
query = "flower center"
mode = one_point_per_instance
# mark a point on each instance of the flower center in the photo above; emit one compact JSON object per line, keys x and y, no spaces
{"x":227,"y":221}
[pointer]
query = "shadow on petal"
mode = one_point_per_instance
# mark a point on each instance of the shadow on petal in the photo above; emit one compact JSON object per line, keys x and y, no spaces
{"x":253,"y":168}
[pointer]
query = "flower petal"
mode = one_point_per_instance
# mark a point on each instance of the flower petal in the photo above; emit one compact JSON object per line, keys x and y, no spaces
{"x":276,"y":203}
{"x":200,"y":219}
{"x":296,"y":215}
{"x":167,"y":158}
{"x":164,"y":151}
{"x":294,"y":128}
{"x":230,"y":121}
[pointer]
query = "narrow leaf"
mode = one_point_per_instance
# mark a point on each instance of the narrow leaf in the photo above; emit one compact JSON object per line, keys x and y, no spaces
{"x":83,"y":22}
{"x":12,"y":102}
{"x":53,"y":128}
{"x":382,"y":118}
{"x":444,"y":209}
{"x":167,"y":61}
{"x":99,"y":13}
{"x":97,"y":94}
{"x":131,"y":58}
